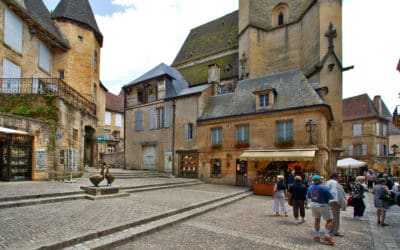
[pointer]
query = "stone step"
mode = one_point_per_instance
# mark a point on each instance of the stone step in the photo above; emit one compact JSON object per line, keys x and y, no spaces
{"x":104,"y":239}
{"x":42,"y":200}
{"x":28,"y":200}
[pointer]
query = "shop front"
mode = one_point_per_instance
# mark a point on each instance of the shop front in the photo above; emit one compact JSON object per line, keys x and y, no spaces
{"x":271,"y":163}
{"x":15,"y":155}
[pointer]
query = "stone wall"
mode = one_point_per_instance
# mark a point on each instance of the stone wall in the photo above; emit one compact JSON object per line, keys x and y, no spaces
{"x":114,"y":160}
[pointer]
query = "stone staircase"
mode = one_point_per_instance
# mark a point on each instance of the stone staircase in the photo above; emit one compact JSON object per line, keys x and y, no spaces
{"x":115,"y":235}
{"x":131,"y":174}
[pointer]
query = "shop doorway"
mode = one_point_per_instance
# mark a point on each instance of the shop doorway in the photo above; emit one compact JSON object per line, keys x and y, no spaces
{"x":15,"y":158}
{"x":241,"y":173}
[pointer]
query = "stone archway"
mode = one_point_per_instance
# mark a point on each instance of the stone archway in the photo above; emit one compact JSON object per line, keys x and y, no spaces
{"x":90,"y":147}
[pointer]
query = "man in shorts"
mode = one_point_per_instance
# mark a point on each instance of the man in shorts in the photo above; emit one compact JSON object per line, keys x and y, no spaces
{"x":319,"y":196}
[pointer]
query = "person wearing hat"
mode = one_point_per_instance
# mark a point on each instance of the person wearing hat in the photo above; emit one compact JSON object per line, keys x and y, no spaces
{"x":338,"y":203}
{"x":319,"y":196}
{"x":280,"y":195}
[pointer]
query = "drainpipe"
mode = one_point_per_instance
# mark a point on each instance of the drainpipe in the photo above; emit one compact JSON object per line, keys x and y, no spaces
{"x":173,"y":136}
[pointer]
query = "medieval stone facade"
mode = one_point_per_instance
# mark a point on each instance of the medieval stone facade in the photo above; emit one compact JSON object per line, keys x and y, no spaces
{"x":275,"y":101}
{"x":50,"y":73}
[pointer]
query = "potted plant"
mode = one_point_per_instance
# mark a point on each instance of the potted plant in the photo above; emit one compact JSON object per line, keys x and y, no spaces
{"x":284,"y":143}
{"x":216,"y":146}
{"x":242,"y":144}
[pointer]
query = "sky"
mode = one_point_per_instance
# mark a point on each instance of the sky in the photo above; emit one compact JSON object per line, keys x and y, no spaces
{"x":140,"y":34}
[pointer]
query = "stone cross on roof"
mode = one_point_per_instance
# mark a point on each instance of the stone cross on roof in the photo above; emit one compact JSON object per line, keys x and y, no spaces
{"x":331,"y":34}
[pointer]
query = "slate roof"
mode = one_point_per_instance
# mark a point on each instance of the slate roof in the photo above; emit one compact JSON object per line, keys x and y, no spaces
{"x":78,"y":11}
{"x":173,"y":88}
{"x":114,"y":102}
{"x":210,"y":39}
{"x":38,"y":11}
{"x":360,"y":107}
{"x":292,"y":91}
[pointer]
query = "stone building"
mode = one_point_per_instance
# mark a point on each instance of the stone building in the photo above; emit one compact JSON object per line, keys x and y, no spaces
{"x":50,"y":89}
{"x":153,"y":128}
{"x":114,"y":123}
{"x":276,"y":73}
{"x":274,"y":101}
{"x":366,"y":131}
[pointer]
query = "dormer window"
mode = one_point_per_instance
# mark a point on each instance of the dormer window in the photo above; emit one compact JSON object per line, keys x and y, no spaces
{"x":265,"y":98}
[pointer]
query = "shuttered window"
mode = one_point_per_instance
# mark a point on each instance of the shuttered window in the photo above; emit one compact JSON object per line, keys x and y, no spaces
{"x":166,"y":116}
{"x":13,"y":28}
{"x":108,"y":118}
{"x":151,"y":118}
{"x":188,"y":131}
{"x":118,"y":120}
{"x":12,"y":73}
{"x":138,"y":120}
{"x":350,"y":150}
{"x":242,"y":134}
{"x":44,"y":57}
{"x":284,"y":130}
{"x":216,"y":136}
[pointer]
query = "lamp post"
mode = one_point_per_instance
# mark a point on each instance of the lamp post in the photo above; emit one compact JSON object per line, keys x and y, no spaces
{"x":310,"y":128}
{"x":394,"y":148}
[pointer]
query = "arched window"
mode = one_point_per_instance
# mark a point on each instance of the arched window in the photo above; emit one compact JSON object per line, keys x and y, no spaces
{"x":280,"y":14}
{"x":281,"y":18}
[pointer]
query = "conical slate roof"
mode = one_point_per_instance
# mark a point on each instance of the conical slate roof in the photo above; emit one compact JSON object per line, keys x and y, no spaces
{"x":78,"y":11}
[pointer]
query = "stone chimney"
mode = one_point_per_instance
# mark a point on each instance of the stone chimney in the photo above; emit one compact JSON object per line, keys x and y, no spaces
{"x":378,"y":104}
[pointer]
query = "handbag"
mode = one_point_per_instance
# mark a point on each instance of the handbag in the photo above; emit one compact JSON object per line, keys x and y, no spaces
{"x":349,"y":201}
{"x":386,"y":198}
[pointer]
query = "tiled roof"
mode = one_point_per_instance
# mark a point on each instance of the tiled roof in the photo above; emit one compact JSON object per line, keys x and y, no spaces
{"x":114,"y":102}
{"x":172,"y":88}
{"x":39,"y":12}
{"x":210,"y":38}
{"x":78,"y":11}
{"x":292,"y":91}
{"x":361,"y":106}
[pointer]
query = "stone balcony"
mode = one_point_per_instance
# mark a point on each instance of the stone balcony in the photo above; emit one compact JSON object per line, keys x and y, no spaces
{"x":43,"y":86}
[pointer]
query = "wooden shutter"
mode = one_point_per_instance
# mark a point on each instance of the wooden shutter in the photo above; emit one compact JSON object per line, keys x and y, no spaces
{"x":138,"y":120}
{"x":186,"y":131}
{"x":166,"y":116}
{"x":151,"y":118}
{"x":13,"y":31}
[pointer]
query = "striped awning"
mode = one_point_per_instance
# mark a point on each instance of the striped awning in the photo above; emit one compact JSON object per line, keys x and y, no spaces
{"x":279,"y":155}
{"x":12,"y":131}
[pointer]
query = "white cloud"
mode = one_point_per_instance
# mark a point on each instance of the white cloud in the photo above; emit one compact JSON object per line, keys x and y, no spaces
{"x":148,"y":33}
{"x":371,"y":42}
{"x":152,"y":31}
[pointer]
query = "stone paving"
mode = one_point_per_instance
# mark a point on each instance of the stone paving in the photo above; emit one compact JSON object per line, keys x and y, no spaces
{"x":251,"y":224}
{"x":34,"y":226}
{"x":246,"y":224}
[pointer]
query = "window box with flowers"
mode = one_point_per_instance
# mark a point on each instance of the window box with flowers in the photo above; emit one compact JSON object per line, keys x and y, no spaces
{"x":242,"y":145}
{"x":284,"y":143}
{"x":216,"y":146}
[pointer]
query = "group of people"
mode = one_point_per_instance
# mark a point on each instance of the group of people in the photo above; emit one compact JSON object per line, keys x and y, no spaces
{"x":326,"y":201}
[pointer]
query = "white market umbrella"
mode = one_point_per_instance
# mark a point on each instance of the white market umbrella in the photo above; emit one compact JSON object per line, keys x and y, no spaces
{"x":350,"y":163}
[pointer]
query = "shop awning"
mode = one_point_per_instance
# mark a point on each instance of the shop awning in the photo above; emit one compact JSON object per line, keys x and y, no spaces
{"x":12,"y":131}
{"x":279,"y":155}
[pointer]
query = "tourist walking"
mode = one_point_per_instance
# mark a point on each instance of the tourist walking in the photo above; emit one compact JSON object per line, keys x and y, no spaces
{"x":380,"y":191}
{"x":320,"y":195}
{"x":297,"y":197}
{"x":357,"y":196}
{"x":280,"y":195}
{"x":338,"y":202}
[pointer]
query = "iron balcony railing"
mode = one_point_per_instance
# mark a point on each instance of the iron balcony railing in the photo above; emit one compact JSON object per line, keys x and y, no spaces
{"x":46,"y":86}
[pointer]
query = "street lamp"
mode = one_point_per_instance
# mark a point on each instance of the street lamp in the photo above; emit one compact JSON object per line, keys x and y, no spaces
{"x":310,"y":128}
{"x":394,"y":148}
